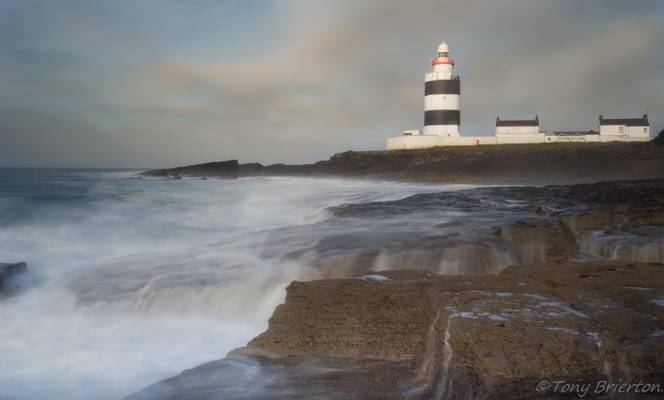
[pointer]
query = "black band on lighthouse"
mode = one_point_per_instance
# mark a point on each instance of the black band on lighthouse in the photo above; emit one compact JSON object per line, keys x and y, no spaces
{"x":446,"y":86}
{"x":442,"y":117}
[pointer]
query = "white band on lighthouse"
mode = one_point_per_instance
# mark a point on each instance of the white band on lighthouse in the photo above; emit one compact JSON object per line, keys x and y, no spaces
{"x":442,"y":96}
{"x":441,"y":102}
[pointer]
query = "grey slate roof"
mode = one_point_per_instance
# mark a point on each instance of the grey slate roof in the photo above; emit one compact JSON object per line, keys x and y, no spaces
{"x":643,"y":121}
{"x":518,"y":122}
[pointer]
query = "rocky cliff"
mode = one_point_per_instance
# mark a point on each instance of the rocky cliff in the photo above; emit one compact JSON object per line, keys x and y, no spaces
{"x":512,"y":164}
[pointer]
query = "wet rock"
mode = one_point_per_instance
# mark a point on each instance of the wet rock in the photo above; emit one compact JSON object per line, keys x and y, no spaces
{"x":615,"y":220}
{"x":245,"y":376}
{"x":7,"y":272}
{"x":389,"y":325}
{"x":537,"y":241}
{"x":643,"y":244}
{"x":594,"y":220}
{"x":489,"y":336}
{"x":418,"y":335}
{"x":413,"y":334}
{"x":358,"y":253}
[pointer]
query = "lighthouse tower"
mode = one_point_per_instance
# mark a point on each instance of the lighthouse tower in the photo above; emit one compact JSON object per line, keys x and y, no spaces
{"x":441,"y":96}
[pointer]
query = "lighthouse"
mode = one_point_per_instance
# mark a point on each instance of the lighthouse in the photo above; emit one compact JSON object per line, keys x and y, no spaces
{"x":442,"y":90}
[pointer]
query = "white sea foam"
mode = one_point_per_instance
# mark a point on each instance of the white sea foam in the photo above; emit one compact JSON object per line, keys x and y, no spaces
{"x":136,"y":280}
{"x":374,"y":278}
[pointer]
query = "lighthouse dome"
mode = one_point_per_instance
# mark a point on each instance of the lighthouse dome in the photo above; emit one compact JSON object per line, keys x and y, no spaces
{"x":443,"y":48}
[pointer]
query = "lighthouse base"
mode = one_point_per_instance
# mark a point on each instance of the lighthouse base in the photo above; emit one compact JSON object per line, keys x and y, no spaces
{"x":442,"y":130}
{"x":425,"y":141}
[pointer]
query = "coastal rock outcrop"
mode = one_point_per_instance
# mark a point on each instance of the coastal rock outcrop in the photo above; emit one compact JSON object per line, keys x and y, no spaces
{"x":510,"y":164}
{"x":417,"y":335}
{"x":482,"y":230}
{"x":579,"y":310}
{"x":219,"y":169}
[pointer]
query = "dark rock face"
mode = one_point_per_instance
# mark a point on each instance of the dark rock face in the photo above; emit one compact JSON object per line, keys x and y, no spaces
{"x":7,"y":272}
{"x":660,"y":138}
{"x":257,"y":169}
{"x":220,"y":169}
{"x":523,"y":164}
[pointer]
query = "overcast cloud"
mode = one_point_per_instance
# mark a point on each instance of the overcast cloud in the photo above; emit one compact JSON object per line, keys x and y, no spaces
{"x":150,"y":83}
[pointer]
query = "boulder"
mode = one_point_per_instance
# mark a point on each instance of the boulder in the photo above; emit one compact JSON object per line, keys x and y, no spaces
{"x":7,"y":272}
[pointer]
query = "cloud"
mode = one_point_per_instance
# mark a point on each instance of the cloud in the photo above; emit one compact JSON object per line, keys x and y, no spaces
{"x":297,"y":81}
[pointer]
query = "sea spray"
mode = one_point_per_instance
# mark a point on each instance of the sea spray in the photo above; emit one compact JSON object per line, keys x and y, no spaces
{"x":135,"y":280}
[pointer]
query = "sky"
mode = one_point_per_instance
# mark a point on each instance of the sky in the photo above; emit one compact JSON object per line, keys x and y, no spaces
{"x":157,"y":83}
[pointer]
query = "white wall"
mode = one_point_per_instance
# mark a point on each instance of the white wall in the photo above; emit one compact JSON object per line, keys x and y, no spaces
{"x":571,"y":138}
{"x":624,"y":130}
{"x":504,"y":138}
{"x":638,"y":131}
{"x":616,"y":138}
{"x":613,"y":130}
{"x":424,"y":141}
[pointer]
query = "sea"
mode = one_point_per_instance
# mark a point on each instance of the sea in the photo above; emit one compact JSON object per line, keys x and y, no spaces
{"x":132,"y":280}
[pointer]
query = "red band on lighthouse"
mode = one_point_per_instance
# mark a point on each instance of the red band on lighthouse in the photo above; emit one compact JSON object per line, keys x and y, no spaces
{"x":442,"y":61}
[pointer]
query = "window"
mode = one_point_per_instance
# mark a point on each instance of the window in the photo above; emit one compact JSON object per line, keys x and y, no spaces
{"x":621,"y":129}
{"x":645,"y":130}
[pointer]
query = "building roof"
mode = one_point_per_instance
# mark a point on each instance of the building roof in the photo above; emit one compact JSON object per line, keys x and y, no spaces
{"x":518,"y":122}
{"x":643,"y":121}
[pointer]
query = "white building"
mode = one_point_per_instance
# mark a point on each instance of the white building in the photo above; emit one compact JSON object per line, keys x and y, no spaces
{"x":517,"y":126}
{"x":442,"y":118}
{"x":519,"y":131}
{"x":624,"y":127}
